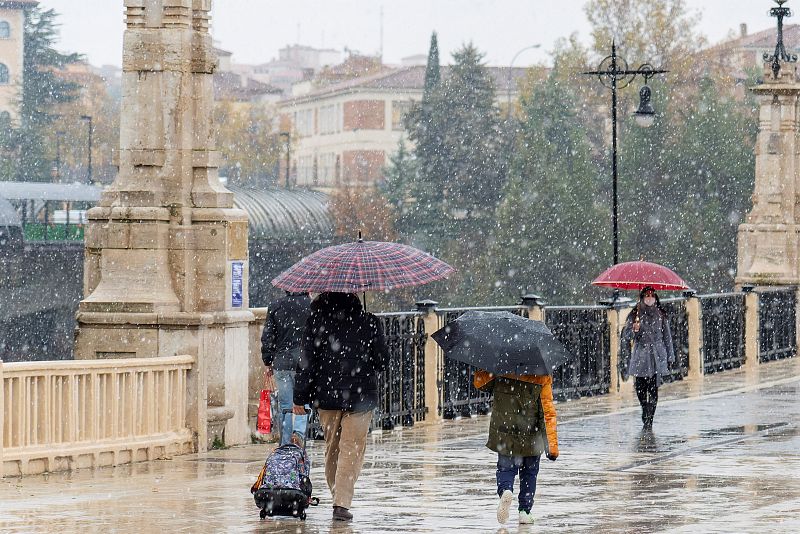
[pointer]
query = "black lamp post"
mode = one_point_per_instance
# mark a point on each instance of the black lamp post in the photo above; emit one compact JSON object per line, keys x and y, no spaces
{"x":613,"y":72}
{"x":780,"y":54}
{"x":288,"y":136}
{"x":88,"y":118}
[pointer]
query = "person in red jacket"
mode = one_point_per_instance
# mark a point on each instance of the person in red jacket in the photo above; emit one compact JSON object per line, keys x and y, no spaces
{"x":522,"y":428}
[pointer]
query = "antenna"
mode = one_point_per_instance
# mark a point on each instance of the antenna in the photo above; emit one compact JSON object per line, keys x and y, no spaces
{"x":381,"y":44}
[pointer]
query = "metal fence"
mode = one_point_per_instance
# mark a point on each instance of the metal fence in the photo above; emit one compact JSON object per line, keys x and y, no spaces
{"x":679,"y":327}
{"x":777,"y":324}
{"x":586,"y":333}
{"x":460,"y":398}
{"x":401,"y":388}
{"x":723,"y":331}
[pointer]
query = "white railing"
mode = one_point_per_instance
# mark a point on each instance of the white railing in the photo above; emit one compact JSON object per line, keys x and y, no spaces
{"x":58,"y":415}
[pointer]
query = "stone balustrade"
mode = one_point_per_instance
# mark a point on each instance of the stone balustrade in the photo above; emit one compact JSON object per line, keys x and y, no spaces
{"x":61,"y":415}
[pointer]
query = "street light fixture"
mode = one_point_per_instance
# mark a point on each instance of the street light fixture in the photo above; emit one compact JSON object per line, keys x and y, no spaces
{"x":88,"y":118}
{"x":288,"y":136}
{"x":511,"y":72}
{"x":613,"y":72}
{"x":780,"y":13}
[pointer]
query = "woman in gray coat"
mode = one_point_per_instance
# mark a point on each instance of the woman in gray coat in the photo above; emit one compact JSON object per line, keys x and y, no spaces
{"x":647,"y":327}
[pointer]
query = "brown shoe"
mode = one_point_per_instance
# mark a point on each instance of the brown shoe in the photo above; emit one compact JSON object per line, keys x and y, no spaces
{"x":341,"y":514}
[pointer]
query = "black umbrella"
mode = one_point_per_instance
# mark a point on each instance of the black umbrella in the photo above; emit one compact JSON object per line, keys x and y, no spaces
{"x":502,"y":343}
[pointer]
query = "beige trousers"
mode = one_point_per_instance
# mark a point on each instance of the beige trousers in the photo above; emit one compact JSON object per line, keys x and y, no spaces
{"x":345,"y":443}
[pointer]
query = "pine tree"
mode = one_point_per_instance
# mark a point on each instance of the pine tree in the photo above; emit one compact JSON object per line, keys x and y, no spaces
{"x":432,"y":70}
{"x":42,"y":89}
{"x":549,"y":235}
{"x":397,"y":188}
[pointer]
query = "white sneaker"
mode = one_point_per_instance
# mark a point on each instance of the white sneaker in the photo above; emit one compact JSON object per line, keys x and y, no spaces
{"x":505,"y":506}
{"x":525,"y":518}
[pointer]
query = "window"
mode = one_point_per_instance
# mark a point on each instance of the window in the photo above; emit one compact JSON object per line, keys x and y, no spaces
{"x":304,"y":122}
{"x":327,"y":168}
{"x":399,"y":110}
{"x":5,"y":30}
{"x":328,"y":119}
{"x":3,"y":74}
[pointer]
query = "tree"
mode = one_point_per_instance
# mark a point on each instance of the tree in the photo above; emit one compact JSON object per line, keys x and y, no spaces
{"x":248,"y":144}
{"x":685,"y":187}
{"x":548,"y":236}
{"x":432,"y":69}
{"x":42,"y":90}
{"x":364,"y":210}
{"x":399,"y":177}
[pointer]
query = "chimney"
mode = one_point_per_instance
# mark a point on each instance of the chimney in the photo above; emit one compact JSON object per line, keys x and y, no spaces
{"x":743,"y":29}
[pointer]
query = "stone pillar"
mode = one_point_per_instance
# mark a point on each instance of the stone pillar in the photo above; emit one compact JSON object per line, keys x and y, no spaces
{"x":2,"y":418}
{"x":695,"y":318}
{"x":768,"y":244}
{"x":535,"y":305}
{"x":433,"y":361}
{"x":166,"y":266}
{"x":751,"y":326}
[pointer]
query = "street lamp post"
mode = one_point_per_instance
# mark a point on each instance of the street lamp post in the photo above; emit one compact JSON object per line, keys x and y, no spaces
{"x":57,"y":166}
{"x":780,"y":54}
{"x":288,"y":136}
{"x":613,"y":72}
{"x":511,"y":72}
{"x":88,"y":118}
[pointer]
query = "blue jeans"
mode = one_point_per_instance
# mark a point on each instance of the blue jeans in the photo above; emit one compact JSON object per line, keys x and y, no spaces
{"x":528,"y":468}
{"x":284,"y":382}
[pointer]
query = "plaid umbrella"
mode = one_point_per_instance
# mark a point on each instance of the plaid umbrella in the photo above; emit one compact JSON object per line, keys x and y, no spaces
{"x":362,"y":266}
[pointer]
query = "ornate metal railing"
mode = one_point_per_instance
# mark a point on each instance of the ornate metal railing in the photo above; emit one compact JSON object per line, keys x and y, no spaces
{"x":402,"y":385}
{"x":679,"y":327}
{"x":460,"y":398}
{"x":585,"y":332}
{"x":723,"y":331}
{"x":777,"y":324}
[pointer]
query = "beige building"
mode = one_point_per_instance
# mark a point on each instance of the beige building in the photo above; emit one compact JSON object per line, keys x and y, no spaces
{"x":343,"y":134}
{"x":12,"y":21}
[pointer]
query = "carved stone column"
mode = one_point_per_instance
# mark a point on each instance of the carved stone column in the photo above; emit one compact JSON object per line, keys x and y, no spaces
{"x":768,"y":245}
{"x":166,"y":261}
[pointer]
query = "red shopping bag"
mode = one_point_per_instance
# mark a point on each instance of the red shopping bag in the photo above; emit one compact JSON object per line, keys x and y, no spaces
{"x":264,"y":421}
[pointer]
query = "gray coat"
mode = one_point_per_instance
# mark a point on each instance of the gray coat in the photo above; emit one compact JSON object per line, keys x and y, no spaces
{"x":652,"y":345}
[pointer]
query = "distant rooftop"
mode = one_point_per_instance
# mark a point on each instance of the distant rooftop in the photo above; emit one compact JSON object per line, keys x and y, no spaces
{"x":410,"y":79}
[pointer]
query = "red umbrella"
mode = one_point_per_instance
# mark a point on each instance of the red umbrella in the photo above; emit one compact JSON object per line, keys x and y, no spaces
{"x":640,"y":274}
{"x":362,"y":266}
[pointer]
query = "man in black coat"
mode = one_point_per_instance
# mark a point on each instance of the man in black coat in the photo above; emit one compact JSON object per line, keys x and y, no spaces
{"x":344,"y":350}
{"x":280,"y":350}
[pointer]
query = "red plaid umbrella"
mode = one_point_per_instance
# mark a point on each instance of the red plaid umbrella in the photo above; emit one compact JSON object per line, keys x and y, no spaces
{"x":640,"y":274}
{"x":362,"y":266}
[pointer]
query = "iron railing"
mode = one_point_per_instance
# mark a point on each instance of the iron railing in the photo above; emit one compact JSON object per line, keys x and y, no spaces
{"x":777,"y":324}
{"x":679,"y":328}
{"x":401,"y":388}
{"x":460,"y":398}
{"x":586,"y":333}
{"x":723,"y":331}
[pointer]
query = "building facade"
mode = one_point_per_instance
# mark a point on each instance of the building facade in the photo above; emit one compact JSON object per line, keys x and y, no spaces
{"x":12,"y":44}
{"x":343,"y":134}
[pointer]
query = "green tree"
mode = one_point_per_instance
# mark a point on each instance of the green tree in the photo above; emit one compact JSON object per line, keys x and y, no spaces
{"x":549,"y":236}
{"x":685,"y":187}
{"x":459,"y":178}
{"x":432,"y":70}
{"x":42,"y":90}
{"x":397,"y":186}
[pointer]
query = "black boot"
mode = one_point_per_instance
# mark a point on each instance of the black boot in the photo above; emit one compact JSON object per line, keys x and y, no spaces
{"x":648,"y":412}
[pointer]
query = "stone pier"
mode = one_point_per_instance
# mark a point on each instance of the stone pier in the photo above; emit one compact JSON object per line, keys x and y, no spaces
{"x":166,"y":264}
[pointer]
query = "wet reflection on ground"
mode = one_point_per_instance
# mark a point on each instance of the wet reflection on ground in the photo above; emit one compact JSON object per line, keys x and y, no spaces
{"x":728,"y":461}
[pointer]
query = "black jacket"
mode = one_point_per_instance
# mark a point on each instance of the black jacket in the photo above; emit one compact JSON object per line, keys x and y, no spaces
{"x":344,"y":350}
{"x":283,"y":331}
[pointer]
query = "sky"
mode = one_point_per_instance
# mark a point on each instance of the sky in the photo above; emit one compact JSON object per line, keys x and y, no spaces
{"x":254,"y":30}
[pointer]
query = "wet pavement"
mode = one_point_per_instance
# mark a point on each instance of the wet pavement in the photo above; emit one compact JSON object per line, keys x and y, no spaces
{"x":724,"y":457}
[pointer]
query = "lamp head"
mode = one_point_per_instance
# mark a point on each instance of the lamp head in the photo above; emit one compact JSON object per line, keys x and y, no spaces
{"x":645,"y":116}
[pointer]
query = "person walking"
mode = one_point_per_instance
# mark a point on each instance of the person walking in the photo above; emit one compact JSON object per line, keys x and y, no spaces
{"x":647,"y":327}
{"x":280,"y":349}
{"x":521,"y":429}
{"x":344,"y":350}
